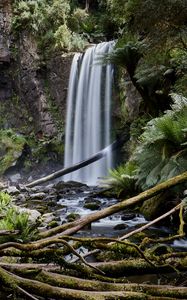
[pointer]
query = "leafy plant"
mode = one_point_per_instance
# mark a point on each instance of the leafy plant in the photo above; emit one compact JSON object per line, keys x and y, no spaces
{"x":12,"y":219}
{"x":48,"y":22}
{"x":11,"y":146}
{"x":123,"y":178}
{"x":5,"y":201}
{"x":162,"y":152}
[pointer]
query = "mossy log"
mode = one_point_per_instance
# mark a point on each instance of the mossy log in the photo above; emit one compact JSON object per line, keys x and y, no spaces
{"x":14,"y":282}
{"x":63,"y":287}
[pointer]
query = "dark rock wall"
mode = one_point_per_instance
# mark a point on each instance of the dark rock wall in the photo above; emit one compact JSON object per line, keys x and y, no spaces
{"x":32,"y":91}
{"x":5,"y":82}
{"x":58,"y":70}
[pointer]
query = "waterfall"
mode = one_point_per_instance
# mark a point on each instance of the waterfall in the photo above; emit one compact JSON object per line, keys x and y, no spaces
{"x":88,"y":121}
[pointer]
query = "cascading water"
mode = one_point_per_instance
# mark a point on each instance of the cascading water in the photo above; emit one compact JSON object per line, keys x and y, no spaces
{"x":88,"y":123}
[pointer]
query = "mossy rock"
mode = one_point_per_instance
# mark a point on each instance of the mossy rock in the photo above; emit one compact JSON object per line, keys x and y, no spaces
{"x":160,"y":249}
{"x":92,"y":205}
{"x":52,"y":224}
{"x":153,"y":207}
{"x":11,"y":148}
{"x":72,"y":217}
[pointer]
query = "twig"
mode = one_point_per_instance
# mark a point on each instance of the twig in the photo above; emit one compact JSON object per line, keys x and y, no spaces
{"x":26,"y":293}
{"x":113,"y":241}
{"x":80,"y":257}
{"x":150,"y":223}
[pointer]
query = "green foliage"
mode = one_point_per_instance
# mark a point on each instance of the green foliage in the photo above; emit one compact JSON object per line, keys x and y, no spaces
{"x":67,"y":40}
{"x":137,"y":126}
{"x":11,"y":146}
{"x":12,"y":219}
{"x":126,"y":56}
{"x":123,"y":178}
{"x":47,"y":21}
{"x":5,"y":201}
{"x":161,"y":26}
{"x":162,"y":153}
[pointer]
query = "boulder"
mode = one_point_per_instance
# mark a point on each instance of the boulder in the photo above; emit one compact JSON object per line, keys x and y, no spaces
{"x":34,"y":215}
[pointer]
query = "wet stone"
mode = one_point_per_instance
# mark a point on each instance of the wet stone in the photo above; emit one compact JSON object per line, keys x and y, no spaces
{"x":120,"y":227}
{"x":22,"y":188}
{"x":21,"y":198}
{"x":52,"y":224}
{"x":128,"y":216}
{"x":38,"y":196}
{"x":12,"y":190}
{"x":72,"y":217}
{"x":92,"y":206}
{"x":68,"y":187}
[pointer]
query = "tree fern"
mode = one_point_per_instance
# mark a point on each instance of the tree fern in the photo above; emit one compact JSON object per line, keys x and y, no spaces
{"x":162,"y":151}
{"x":123,"y":178}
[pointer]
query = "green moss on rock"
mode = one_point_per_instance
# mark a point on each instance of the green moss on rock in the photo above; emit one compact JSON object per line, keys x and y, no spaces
{"x":11,"y":147}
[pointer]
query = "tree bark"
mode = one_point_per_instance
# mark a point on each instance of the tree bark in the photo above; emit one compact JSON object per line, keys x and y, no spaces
{"x":62,"y":287}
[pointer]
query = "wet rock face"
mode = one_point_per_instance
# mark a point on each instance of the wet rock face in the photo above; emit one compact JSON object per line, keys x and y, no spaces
{"x":132,"y":100}
{"x":37,"y":86}
{"x":58,"y":70}
{"x":5,"y":82}
{"x":5,"y":19}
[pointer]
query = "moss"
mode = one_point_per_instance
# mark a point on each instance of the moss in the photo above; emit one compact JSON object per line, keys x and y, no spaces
{"x":11,"y":147}
{"x":52,"y":224}
{"x":152,"y":207}
{"x":53,"y":108}
{"x":72,"y":217}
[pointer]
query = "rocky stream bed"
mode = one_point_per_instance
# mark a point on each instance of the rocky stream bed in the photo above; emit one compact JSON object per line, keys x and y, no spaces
{"x":62,"y":202}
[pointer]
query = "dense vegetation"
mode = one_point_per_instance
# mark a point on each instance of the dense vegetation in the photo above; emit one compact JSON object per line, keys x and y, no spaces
{"x":151,"y":48}
{"x":151,"y":51}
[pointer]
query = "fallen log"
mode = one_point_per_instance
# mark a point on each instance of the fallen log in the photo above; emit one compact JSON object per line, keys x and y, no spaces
{"x":8,"y":232}
{"x":81,"y":164}
{"x":62,"y":287}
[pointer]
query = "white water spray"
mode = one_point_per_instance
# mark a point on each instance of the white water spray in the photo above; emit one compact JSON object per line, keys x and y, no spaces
{"x":88,"y":123}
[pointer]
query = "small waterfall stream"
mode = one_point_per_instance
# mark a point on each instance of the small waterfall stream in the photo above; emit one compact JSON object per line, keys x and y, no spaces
{"x":88,"y":123}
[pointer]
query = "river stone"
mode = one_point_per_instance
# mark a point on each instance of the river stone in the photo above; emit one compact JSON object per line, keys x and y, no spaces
{"x":120,"y":226}
{"x":21,"y":197}
{"x":2,"y":186}
{"x":37,"y":196}
{"x":12,"y":190}
{"x":69,"y":186}
{"x":52,"y":224}
{"x":34,"y":215}
{"x":128,"y":216}
{"x":15,"y":178}
{"x":47,"y":218}
{"x":72,"y":217}
{"x":92,"y":205}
